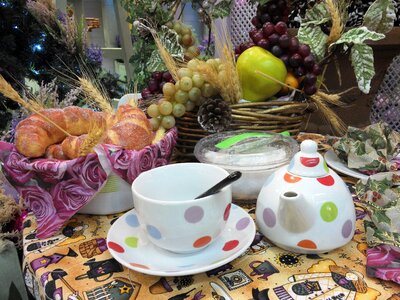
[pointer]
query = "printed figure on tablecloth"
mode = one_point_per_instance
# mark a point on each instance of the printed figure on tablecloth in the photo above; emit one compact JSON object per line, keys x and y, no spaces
{"x":263,"y":269}
{"x":324,"y":280}
{"x":93,"y":247}
{"x":70,"y":234}
{"x":46,"y":260}
{"x":170,"y":284}
{"x":101,"y":270}
{"x":119,"y":288}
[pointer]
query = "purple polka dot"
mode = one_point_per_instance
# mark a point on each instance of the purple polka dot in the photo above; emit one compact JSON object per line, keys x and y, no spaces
{"x":132,"y":221}
{"x":269,"y":217}
{"x":194,"y":214}
{"x":346,"y":229}
{"x":153,"y":232}
{"x":242,"y":223}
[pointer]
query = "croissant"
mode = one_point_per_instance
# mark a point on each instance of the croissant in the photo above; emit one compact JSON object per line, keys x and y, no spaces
{"x":132,"y":130}
{"x":55,"y":152}
{"x":35,"y":136}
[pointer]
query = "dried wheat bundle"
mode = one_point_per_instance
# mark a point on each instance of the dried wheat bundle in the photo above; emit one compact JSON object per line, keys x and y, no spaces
{"x":9,"y":92}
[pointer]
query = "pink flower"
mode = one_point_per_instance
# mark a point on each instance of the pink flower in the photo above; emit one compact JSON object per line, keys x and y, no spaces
{"x":71,"y":195}
{"x":51,"y":171}
{"x":167,"y":144}
{"x":41,"y":204}
{"x":89,"y":171}
{"x":382,"y":262}
{"x":122,"y":159}
{"x":143,"y":161}
{"x":17,"y":167}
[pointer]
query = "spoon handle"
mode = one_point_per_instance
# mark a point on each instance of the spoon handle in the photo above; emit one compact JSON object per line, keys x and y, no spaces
{"x":226,"y":181}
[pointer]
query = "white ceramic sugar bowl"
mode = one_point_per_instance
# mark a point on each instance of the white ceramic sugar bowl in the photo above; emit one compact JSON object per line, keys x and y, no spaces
{"x":306,"y":207}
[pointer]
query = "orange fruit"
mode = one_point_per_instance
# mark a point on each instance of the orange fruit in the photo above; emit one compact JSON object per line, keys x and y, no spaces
{"x":291,"y":81}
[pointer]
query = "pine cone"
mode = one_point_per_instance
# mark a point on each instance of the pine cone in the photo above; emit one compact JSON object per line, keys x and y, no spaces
{"x":214,"y":115}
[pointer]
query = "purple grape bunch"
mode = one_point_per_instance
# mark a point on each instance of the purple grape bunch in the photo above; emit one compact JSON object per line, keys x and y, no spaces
{"x":270,"y":32}
{"x":156,"y":83}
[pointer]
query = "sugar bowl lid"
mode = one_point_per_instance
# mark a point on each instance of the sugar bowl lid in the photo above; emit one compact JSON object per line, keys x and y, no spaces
{"x":246,"y":149}
{"x":308,"y":162}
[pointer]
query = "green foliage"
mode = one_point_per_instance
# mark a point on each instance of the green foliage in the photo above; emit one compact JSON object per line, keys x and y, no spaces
{"x":380,"y":16}
{"x":155,"y":14}
{"x":358,"y":36}
{"x":379,"y":19}
{"x":222,"y":9}
{"x":310,"y":32}
{"x":362,"y":60}
{"x":169,"y":39}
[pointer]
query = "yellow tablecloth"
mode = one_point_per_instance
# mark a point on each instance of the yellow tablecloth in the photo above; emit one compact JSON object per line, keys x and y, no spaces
{"x":75,"y":264}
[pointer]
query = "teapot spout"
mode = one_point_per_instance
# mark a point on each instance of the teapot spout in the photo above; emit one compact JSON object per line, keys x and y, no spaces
{"x":295,"y":214}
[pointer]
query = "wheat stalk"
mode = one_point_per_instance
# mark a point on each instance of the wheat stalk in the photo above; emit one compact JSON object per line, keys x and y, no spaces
{"x":94,"y":94}
{"x":229,"y":83}
{"x":94,"y":136}
{"x":8,"y":91}
{"x":337,"y":27}
{"x":321,"y":99}
{"x":165,"y":56}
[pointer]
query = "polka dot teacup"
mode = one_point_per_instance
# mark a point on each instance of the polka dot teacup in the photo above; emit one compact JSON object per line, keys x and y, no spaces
{"x":168,"y":212}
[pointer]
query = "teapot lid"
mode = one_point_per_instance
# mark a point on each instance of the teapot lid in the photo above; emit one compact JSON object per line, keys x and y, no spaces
{"x":308,"y":162}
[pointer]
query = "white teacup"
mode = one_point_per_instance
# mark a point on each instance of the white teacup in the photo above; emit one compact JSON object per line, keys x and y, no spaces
{"x":173,"y":219}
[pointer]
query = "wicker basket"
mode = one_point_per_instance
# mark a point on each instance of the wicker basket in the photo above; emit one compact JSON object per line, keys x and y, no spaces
{"x":275,"y":116}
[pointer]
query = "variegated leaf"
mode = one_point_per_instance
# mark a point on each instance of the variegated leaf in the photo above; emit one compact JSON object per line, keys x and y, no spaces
{"x":314,"y":37}
{"x":316,"y":15}
{"x":169,"y":39}
{"x":358,"y":36}
{"x":362,"y":60}
{"x":380,"y":16}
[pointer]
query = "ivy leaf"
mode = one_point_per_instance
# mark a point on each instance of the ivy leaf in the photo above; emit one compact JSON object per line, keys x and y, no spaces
{"x":221,"y":9}
{"x":358,"y":36}
{"x":362,"y":60}
{"x":169,"y":39}
{"x":359,"y":148}
{"x":380,"y":16}
{"x":310,"y":33}
{"x":315,"y":38}
{"x":318,"y":14}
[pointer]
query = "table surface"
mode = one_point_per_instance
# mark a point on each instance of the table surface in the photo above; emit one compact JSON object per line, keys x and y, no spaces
{"x":76,"y":264}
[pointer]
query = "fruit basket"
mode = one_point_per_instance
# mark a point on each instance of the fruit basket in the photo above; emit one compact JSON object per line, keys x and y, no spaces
{"x":272,"y":81}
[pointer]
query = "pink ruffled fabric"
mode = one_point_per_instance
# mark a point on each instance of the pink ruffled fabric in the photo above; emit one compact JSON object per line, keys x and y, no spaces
{"x":383,"y":262}
{"x":55,"y":190}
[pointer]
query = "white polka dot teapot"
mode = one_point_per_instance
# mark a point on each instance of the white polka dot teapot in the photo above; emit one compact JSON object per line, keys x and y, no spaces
{"x":306,"y":207}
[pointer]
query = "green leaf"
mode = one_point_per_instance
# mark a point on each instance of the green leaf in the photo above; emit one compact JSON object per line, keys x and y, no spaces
{"x":310,"y":32}
{"x":169,"y":39}
{"x":380,"y":16}
{"x":362,"y":60}
{"x":313,"y":36}
{"x":221,"y":9}
{"x":358,"y":36}
{"x":359,"y":148}
{"x":316,"y":15}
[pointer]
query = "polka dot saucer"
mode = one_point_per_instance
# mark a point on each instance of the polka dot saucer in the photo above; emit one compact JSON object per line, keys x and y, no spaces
{"x":129,"y":245}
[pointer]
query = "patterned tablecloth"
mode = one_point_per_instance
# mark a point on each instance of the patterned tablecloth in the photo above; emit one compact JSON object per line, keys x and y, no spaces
{"x":76,"y":264}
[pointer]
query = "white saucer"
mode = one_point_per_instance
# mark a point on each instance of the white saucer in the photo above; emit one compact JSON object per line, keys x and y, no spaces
{"x":335,"y":163}
{"x":129,"y":245}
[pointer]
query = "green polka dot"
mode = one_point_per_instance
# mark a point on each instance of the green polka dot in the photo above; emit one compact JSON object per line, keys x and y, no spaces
{"x":329,"y":211}
{"x":326,"y":167}
{"x":132,"y":241}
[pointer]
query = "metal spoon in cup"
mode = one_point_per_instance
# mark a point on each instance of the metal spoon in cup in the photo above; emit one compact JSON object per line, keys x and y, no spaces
{"x":224,"y":182}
